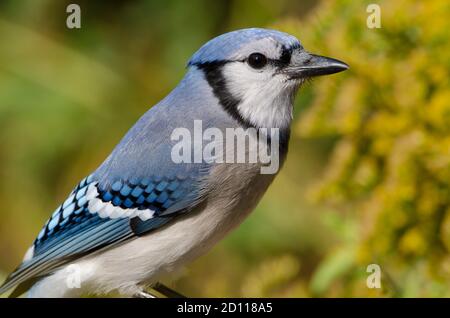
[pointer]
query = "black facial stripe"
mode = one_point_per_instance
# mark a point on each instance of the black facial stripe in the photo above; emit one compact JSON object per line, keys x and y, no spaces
{"x":277,"y":63}
{"x":215,"y":78}
{"x":285,"y":57}
{"x":294,"y":46}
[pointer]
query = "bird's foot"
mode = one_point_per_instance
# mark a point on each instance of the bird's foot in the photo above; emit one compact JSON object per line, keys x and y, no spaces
{"x":161,"y":289}
{"x":167,"y":292}
{"x":144,"y":294}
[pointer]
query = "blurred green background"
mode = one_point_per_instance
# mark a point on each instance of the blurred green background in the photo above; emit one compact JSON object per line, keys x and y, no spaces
{"x":367,"y":179}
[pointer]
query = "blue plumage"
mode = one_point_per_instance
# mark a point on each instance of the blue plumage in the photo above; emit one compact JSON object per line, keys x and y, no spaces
{"x":157,"y":194}
{"x":145,"y":194}
{"x":64,"y":217}
{"x":226,"y":46}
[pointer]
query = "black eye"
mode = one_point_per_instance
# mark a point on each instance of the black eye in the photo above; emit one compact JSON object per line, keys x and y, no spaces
{"x":257,"y":60}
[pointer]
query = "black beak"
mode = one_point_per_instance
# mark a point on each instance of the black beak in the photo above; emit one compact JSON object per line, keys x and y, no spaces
{"x":306,"y":65}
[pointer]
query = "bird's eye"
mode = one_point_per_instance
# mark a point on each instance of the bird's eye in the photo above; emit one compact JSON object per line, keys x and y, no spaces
{"x":257,"y":60}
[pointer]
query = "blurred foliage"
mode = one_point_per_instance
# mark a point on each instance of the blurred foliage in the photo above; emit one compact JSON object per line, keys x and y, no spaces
{"x":379,"y":132}
{"x":391,"y":115}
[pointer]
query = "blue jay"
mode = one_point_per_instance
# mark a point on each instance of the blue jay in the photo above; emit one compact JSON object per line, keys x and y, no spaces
{"x":140,"y":215}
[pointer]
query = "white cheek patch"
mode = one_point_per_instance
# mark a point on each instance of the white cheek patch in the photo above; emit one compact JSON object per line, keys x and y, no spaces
{"x":265,"y":99}
{"x":108,"y":210}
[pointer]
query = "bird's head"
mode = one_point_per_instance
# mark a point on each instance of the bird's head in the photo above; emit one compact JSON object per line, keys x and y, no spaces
{"x":255,"y":73}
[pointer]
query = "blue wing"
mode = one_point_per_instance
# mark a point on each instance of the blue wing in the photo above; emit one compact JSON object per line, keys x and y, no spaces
{"x":99,"y":215}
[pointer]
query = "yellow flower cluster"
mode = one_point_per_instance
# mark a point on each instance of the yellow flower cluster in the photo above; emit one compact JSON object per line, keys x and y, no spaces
{"x":391,"y":114}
